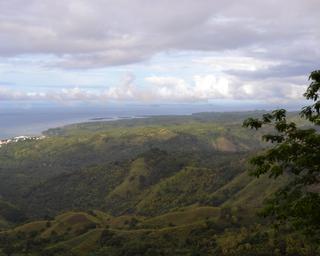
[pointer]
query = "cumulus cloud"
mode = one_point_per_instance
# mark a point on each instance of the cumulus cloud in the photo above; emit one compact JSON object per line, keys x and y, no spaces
{"x":169,"y":89}
{"x":66,"y":94}
{"x":253,"y":49}
{"x":209,"y":87}
{"x":202,"y":88}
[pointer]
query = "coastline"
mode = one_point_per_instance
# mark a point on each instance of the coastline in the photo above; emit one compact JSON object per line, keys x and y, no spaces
{"x":37,"y":130}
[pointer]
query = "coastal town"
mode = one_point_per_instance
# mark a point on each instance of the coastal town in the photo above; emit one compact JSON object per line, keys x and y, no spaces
{"x":20,"y":138}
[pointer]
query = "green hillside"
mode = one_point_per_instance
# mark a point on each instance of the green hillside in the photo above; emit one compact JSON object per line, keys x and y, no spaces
{"x":104,"y":151}
{"x":200,"y":230}
{"x":10,"y":214}
{"x":168,"y":185}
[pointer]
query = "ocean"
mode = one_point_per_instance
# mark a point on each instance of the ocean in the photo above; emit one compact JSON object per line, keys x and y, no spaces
{"x":34,"y":120}
{"x":16,"y":122}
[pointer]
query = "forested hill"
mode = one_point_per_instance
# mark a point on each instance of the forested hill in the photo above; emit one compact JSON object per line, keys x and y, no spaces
{"x":89,"y":147}
{"x":126,"y":186}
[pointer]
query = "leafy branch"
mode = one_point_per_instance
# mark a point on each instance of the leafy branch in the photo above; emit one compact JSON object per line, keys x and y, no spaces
{"x":296,"y":152}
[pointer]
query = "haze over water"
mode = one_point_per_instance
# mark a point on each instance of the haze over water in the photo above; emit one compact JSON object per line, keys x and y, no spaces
{"x":15,"y":122}
{"x":33,"y":121}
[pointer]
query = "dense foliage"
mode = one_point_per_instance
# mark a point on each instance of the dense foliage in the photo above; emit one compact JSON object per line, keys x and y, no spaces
{"x":149,"y":186}
{"x":90,"y":165}
{"x":296,"y":152}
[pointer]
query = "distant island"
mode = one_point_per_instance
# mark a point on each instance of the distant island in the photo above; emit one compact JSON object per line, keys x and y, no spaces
{"x":101,"y":118}
{"x":117,"y":118}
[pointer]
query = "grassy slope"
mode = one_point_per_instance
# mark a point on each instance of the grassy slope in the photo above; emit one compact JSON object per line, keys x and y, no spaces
{"x":189,"y":186}
{"x":182,"y":217}
{"x":128,"y":193}
{"x":196,"y":173}
{"x":80,"y":232}
{"x":79,"y":190}
{"x":9,"y":214}
{"x":80,"y":237}
{"x":254,"y":192}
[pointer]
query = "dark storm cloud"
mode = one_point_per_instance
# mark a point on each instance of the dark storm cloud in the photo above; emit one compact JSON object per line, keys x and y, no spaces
{"x":97,"y":33}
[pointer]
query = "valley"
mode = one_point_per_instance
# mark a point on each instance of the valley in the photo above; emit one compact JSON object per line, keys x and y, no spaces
{"x":166,"y":185}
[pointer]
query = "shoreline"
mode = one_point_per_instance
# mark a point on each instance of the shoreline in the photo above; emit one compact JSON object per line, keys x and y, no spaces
{"x":41,"y":128}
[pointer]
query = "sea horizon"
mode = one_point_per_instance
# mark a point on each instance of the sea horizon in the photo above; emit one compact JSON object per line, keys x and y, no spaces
{"x":32,"y":122}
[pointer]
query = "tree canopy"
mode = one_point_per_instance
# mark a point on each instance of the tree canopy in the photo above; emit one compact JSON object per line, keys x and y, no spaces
{"x":295,"y":152}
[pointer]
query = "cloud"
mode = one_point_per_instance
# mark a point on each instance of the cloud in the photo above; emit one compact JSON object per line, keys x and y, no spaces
{"x":202,"y":88}
{"x":270,"y":91}
{"x":99,"y":33}
{"x":59,"y":96}
{"x":207,"y":49}
{"x":9,"y":94}
{"x":169,"y":89}
{"x":209,"y":87}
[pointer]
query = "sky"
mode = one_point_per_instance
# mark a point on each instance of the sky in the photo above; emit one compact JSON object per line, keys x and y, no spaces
{"x":67,"y":52}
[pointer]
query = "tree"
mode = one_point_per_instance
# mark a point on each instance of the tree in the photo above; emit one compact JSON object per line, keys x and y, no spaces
{"x":295,"y":151}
